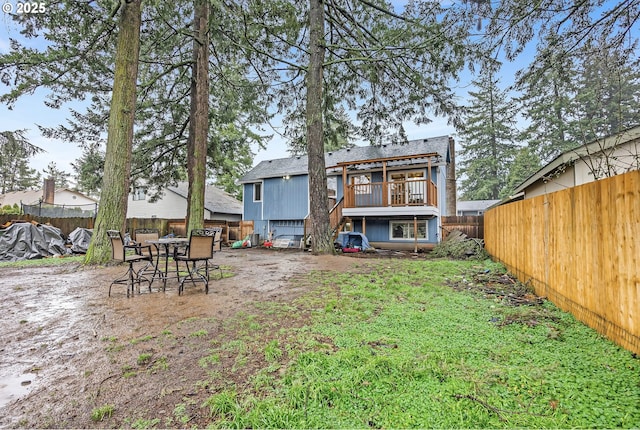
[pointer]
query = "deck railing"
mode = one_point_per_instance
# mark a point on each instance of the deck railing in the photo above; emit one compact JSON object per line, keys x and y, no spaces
{"x":396,"y":193}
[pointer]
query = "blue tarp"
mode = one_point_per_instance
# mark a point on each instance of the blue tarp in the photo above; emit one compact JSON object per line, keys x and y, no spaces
{"x":352,"y":239}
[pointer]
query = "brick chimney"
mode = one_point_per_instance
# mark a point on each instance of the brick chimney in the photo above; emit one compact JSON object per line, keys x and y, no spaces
{"x":49,"y":191}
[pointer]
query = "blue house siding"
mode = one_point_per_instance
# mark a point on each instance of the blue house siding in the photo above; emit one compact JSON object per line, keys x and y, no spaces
{"x":285,"y":199}
{"x":378,"y":230}
{"x":287,"y":227}
{"x":251,"y":210}
{"x":340,"y":188}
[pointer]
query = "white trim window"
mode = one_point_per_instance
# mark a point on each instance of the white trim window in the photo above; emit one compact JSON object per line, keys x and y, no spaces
{"x":403,"y":230}
{"x":139,"y":193}
{"x":257,"y":192}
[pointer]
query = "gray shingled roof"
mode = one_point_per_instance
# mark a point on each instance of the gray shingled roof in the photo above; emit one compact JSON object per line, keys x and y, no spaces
{"x":298,"y":165}
{"x":475,"y":205}
{"x":215,"y":199}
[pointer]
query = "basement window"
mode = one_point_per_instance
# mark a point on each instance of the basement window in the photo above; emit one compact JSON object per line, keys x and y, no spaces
{"x":403,"y":230}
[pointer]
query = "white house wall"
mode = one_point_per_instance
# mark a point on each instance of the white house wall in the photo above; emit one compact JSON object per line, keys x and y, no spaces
{"x":169,"y":206}
{"x":622,"y":159}
{"x":561,"y":182}
{"x":69,"y":198}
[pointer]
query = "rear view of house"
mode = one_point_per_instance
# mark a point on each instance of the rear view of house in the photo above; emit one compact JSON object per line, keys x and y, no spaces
{"x":395,"y":194}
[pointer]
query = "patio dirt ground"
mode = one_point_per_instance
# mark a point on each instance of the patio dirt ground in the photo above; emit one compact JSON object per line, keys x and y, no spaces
{"x":58,"y":325}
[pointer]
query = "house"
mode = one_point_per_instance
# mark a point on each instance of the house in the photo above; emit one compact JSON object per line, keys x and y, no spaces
{"x":51,"y":201}
{"x":395,"y":194}
{"x":219,"y":205}
{"x":473,"y":207}
{"x":601,"y":158}
{"x":62,"y":196}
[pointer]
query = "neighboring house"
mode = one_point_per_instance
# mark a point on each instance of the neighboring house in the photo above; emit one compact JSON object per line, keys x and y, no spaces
{"x":473,"y":207}
{"x":383,"y":192}
{"x":219,"y":205}
{"x":601,"y":158}
{"x":62,"y":196}
{"x":52,"y":202}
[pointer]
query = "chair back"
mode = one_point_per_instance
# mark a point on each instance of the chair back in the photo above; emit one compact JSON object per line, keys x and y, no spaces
{"x":201,"y":243}
{"x":144,"y":234}
{"x":217,"y":239}
{"x":117,"y":245}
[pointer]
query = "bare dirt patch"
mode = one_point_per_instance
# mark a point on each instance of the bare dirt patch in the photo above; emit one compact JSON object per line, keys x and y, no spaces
{"x":62,"y":348}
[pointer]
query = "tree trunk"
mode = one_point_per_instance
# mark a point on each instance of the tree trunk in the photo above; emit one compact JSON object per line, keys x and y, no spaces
{"x":112,"y":212}
{"x":320,"y":227}
{"x":199,"y":119}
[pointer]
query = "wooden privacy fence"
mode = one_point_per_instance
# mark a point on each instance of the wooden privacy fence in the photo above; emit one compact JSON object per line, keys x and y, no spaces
{"x":66,"y":225}
{"x":471,"y":225}
{"x":580,"y":248}
{"x":231,"y":230}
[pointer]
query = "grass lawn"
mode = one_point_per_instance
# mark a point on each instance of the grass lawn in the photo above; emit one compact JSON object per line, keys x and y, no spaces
{"x":44,"y":262}
{"x":397,"y":347}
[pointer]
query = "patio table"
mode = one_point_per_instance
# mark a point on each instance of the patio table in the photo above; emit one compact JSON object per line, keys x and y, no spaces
{"x":167,"y":243}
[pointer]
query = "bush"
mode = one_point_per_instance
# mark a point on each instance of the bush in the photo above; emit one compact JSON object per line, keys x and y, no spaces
{"x":8,"y":209}
{"x":461,"y":248}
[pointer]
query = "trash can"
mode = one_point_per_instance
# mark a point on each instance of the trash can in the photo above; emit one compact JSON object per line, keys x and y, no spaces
{"x":255,"y":239}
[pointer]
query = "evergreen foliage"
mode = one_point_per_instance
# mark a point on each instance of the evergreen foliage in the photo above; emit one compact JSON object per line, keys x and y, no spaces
{"x":60,"y":177}
{"x":15,"y":173}
{"x":89,"y":169}
{"x":488,"y":140}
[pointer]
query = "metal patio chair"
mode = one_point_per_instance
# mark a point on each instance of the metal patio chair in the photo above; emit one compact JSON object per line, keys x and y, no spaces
{"x":141,"y":235}
{"x":200,"y":249}
{"x":129,"y":254}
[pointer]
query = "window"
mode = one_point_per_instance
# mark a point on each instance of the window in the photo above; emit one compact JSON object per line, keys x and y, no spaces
{"x":257,"y":192}
{"x":403,"y":230}
{"x":139,"y":193}
{"x":407,"y":187}
{"x":361,"y":183}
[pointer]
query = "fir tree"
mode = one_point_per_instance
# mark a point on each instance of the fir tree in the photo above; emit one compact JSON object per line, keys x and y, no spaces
{"x":607,"y":99}
{"x":60,"y":177}
{"x":15,"y":152}
{"x":548,"y":87}
{"x":488,"y":136}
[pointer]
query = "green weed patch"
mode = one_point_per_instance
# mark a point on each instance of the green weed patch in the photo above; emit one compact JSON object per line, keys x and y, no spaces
{"x":402,"y":345}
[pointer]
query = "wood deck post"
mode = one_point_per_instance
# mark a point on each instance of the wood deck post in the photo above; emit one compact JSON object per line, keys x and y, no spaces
{"x":385,"y":191}
{"x":344,"y":187}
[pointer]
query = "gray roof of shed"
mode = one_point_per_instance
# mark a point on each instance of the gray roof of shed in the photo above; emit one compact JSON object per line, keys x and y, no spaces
{"x":298,"y":165}
{"x":215,"y":199}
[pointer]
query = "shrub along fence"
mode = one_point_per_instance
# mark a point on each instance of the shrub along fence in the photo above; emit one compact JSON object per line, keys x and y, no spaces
{"x":580,"y":248}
